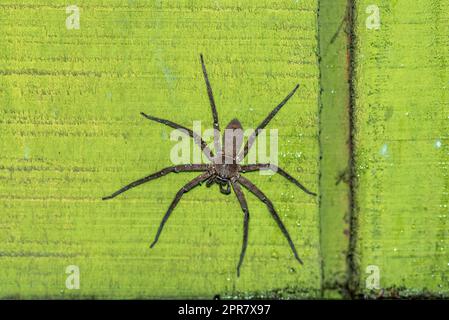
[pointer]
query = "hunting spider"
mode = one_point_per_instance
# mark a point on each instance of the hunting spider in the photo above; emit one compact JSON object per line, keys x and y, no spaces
{"x":225,"y":168}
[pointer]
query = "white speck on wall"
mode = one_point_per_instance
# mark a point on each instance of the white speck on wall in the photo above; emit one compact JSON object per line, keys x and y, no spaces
{"x":168,"y":74}
{"x":26,"y":153}
{"x":438,"y":144}
{"x":384,"y":150}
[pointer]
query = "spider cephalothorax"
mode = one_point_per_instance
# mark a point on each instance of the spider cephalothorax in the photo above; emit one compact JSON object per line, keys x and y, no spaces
{"x":225,"y":168}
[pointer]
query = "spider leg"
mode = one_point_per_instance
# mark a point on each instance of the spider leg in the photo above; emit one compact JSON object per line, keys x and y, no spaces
{"x":210,"y":181}
{"x":223,"y":190}
{"x":189,"y":186}
{"x":196,"y":138}
{"x":244,"y":205}
{"x":263,"y":124}
{"x":161,"y":173}
{"x":259,"y":194}
{"x":268,"y":166}
{"x":213,"y":107}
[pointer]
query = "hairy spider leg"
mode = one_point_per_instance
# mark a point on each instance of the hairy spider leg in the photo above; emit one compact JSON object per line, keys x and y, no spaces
{"x":196,"y":138}
{"x":189,"y":186}
{"x":213,"y":108}
{"x":263,"y":124}
{"x":161,"y":173}
{"x":268,"y":166}
{"x":259,"y":194}
{"x":244,"y":205}
{"x":210,"y":181}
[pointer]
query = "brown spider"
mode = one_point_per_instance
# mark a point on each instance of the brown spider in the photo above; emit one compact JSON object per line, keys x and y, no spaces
{"x":225,"y":168}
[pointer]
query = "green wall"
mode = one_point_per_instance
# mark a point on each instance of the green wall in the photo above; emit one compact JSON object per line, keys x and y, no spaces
{"x":72,"y":133}
{"x":367,"y":130}
{"x":401,"y":147}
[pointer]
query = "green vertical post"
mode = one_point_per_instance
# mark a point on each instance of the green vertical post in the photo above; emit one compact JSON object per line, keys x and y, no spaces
{"x":335,"y":204}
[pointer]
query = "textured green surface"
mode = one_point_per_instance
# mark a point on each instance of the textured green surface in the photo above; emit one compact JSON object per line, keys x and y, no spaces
{"x":71,"y":133}
{"x":402,"y":146}
{"x":334,"y":143}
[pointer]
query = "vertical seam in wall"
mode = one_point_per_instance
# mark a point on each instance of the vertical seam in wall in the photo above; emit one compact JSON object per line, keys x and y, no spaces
{"x":320,"y":153}
{"x":353,"y":278}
